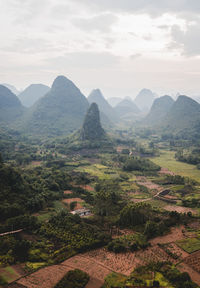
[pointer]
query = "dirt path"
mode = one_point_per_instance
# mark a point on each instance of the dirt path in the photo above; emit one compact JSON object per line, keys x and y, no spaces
{"x":11,"y":232}
{"x":195,"y":276}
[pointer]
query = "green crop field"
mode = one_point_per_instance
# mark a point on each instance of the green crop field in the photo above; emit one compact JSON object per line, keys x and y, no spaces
{"x":190,"y":245}
{"x":167,"y":160}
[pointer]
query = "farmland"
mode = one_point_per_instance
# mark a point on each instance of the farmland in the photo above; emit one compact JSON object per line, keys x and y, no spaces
{"x":167,"y":160}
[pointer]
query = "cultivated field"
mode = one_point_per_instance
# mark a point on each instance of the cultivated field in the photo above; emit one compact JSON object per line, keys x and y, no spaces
{"x":99,"y":263}
{"x":167,"y":160}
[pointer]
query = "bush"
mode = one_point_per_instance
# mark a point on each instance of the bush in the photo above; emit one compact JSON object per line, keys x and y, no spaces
{"x":139,"y":164}
{"x":72,"y":205}
{"x":116,"y":246}
{"x":73,"y":279}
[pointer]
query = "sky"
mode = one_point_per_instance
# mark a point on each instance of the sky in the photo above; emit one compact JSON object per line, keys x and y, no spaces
{"x":119,"y":46}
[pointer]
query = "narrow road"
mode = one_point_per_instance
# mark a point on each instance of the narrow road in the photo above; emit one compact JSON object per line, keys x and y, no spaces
{"x":11,"y":232}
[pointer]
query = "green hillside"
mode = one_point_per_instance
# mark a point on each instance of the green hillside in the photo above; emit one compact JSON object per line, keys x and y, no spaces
{"x":59,"y":112}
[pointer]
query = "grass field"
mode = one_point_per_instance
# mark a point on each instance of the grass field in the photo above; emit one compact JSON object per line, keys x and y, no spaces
{"x":45,"y":215}
{"x":189,"y":245}
{"x":101,"y":171}
{"x":167,"y":160}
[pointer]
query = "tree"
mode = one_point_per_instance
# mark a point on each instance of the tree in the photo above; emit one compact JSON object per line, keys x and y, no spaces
{"x":107,"y":198}
{"x":72,"y":205}
{"x":21,"y":249}
{"x":150,"y":230}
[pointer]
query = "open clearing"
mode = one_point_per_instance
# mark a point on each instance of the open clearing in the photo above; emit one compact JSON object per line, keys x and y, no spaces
{"x":79,"y":201}
{"x":167,"y":160}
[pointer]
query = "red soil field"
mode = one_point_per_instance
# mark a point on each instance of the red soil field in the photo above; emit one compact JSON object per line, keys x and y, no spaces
{"x":100,"y":262}
{"x":87,"y":187}
{"x":67,"y":192}
{"x":122,"y":262}
{"x":141,"y":180}
{"x":193,"y":260}
{"x":47,"y":277}
{"x":166,"y":171}
{"x":175,"y":234}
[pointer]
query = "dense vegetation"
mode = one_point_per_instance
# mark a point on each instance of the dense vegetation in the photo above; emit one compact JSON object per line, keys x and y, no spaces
{"x":30,"y":190}
{"x":74,"y":278}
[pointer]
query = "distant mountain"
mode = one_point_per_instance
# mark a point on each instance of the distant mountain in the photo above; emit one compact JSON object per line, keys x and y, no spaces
{"x":197,"y":98}
{"x":32,"y":93}
{"x":144,"y":99}
{"x":12,"y":88}
{"x":184,"y":115}
{"x":91,"y":129}
{"x":105,"y":108}
{"x":10,"y":106}
{"x":161,"y":106}
{"x":59,"y":112}
{"x":113,"y":101}
{"x":127,"y":109}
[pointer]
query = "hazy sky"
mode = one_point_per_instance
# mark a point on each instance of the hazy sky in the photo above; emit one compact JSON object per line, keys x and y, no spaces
{"x":119,"y":46}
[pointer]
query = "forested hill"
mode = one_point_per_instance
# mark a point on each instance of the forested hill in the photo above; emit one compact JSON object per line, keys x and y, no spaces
{"x":59,"y":112}
{"x":10,"y":106}
{"x":161,"y":106}
{"x":91,"y":129}
{"x":32,"y":93}
{"x":183,"y":117}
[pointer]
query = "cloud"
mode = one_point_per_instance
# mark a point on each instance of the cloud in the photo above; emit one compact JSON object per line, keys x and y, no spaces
{"x":101,"y":22}
{"x":153,"y":7}
{"x":84,"y":60}
{"x":135,"y":56}
{"x":29,"y":46}
{"x":187,"y":41}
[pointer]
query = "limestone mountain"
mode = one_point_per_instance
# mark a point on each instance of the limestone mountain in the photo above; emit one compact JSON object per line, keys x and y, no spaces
{"x":161,"y":106}
{"x":127,"y":109}
{"x":113,"y":101}
{"x":59,"y":112}
{"x":144,"y":99}
{"x":12,"y":88}
{"x":184,"y":115}
{"x":105,"y":108}
{"x":91,"y":129}
{"x":32,"y":93}
{"x":10,"y":106}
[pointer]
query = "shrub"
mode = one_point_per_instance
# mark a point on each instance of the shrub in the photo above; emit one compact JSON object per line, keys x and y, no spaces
{"x":73,"y":278}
